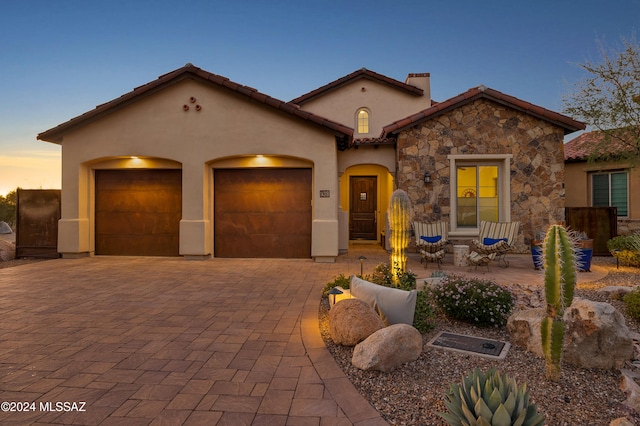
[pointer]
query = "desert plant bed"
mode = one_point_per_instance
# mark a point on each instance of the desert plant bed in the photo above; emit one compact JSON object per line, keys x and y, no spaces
{"x":415,"y":393}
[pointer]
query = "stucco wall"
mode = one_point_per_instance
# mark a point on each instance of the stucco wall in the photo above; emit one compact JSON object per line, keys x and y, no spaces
{"x":227,"y":126}
{"x":386,"y":104}
{"x":532,"y":147}
{"x":578,"y":188}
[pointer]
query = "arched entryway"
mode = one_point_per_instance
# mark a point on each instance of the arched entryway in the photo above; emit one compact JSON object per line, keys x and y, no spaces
{"x":365,"y":190}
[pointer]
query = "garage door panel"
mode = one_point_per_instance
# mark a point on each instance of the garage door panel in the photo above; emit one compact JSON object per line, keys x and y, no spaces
{"x":136,"y":223}
{"x":262,"y":213}
{"x":283,"y":200}
{"x":138,"y":212}
{"x":137,"y":201}
{"x":262,"y":246}
{"x":134,"y":245}
{"x":251,"y":225}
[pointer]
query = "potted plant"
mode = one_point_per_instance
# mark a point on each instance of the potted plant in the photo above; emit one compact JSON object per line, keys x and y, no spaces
{"x":584,"y":251}
{"x":536,"y":250}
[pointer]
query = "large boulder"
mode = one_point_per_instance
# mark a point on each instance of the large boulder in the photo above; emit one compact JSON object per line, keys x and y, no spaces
{"x":7,"y":251}
{"x":388,"y":348}
{"x":596,"y":337}
{"x":524,"y":329}
{"x":351,"y":321}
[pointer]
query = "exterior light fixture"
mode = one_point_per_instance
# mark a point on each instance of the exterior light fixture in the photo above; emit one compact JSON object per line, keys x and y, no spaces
{"x":427,"y":177}
{"x":361,"y":259}
{"x":334,"y":292}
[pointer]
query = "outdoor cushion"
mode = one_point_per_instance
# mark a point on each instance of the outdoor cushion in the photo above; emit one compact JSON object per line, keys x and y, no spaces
{"x":431,"y":239}
{"x":492,"y":241}
{"x":394,"y":306}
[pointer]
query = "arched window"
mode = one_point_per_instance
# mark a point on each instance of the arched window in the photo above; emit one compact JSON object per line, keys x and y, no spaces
{"x":363,"y":121}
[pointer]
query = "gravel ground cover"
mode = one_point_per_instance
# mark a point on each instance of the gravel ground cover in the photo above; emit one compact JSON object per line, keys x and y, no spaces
{"x":415,"y":393}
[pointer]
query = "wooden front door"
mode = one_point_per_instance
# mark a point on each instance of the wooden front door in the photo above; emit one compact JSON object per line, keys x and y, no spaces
{"x":363,"y":208}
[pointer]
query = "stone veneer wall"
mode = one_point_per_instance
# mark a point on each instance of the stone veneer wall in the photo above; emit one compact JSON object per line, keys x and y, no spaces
{"x":628,"y":226}
{"x":486,"y":127}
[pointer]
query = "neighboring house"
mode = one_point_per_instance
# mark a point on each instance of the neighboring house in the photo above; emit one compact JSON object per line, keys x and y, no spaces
{"x":602,"y":183}
{"x":196,"y":165}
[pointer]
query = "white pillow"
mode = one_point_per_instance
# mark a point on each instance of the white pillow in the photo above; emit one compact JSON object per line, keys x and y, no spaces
{"x":394,"y":306}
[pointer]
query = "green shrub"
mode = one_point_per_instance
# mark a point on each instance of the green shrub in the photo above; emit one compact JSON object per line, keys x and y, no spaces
{"x":632,"y":303}
{"x":383,"y":275}
{"x":423,"y":320}
{"x":339,"y":281}
{"x":472,"y":300}
{"x":625,"y":249}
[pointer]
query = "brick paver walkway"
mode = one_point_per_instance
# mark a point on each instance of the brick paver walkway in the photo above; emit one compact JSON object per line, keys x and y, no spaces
{"x":164,"y":341}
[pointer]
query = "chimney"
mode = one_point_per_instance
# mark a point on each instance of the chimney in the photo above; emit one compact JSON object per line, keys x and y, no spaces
{"x":421,"y":81}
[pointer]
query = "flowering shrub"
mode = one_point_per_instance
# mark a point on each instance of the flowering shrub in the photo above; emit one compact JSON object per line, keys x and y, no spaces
{"x":481,"y":302}
{"x":626,"y":249}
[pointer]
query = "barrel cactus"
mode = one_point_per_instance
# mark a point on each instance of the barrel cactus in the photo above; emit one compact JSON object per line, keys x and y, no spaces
{"x":560,"y":275}
{"x":400,"y":225}
{"x":491,"y":399}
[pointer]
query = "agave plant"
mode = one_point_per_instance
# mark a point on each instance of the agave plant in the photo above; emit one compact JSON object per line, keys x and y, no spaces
{"x":491,"y":399}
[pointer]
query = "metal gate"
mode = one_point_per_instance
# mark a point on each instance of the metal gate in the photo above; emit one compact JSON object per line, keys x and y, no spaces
{"x":38,"y":213}
{"x":600,"y":224}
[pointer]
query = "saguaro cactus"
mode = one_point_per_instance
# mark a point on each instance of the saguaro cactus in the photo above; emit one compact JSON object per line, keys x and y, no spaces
{"x":560,"y":274}
{"x":400,"y":224}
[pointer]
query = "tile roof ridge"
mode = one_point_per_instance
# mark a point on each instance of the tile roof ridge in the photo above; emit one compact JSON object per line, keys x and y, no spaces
{"x":569,"y":124}
{"x":55,"y":134}
{"x":361,"y":73}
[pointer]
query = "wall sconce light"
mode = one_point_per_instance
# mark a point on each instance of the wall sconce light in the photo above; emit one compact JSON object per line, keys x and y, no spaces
{"x":427,"y":177}
{"x":361,"y":259}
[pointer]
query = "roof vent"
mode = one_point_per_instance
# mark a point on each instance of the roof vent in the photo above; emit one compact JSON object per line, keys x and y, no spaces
{"x":188,"y":64}
{"x":482,"y":88}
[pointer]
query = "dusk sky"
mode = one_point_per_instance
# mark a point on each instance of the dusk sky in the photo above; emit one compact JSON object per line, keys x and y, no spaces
{"x":59,"y":59}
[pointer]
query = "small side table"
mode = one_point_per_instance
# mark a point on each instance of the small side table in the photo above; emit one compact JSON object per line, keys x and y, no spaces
{"x":460,"y":253}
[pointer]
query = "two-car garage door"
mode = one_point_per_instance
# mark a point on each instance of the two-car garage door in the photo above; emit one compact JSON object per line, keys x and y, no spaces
{"x":257,"y":212}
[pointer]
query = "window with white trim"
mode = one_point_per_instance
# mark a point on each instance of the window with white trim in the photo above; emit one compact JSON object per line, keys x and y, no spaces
{"x":480,"y":190}
{"x":362,"y":118}
{"x":611,"y":189}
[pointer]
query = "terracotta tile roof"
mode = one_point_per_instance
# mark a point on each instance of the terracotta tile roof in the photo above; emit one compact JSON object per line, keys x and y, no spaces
{"x":373,"y":141}
{"x":570,"y":125}
{"x":190,"y":71}
{"x":587,"y":144}
{"x":579,"y":148}
{"x":361,"y":73}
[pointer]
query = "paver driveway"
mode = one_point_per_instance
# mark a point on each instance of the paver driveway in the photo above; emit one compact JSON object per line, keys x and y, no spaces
{"x":167,"y":341}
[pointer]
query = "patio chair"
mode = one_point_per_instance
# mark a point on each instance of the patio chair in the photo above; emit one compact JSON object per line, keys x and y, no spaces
{"x":497,"y":239}
{"x":431,"y":240}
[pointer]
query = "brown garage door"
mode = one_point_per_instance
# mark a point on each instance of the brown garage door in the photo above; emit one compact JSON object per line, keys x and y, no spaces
{"x":138,"y":212}
{"x":262,"y":213}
